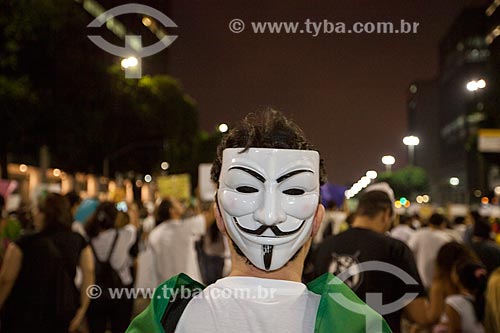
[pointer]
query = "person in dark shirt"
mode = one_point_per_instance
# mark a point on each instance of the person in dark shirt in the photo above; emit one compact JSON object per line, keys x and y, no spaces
{"x":360,"y":255}
{"x":484,"y":247}
{"x":30,"y":288}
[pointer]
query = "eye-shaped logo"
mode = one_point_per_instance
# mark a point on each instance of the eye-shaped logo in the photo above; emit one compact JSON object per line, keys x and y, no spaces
{"x":133,"y":44}
{"x":374,"y":300}
{"x":343,"y":262}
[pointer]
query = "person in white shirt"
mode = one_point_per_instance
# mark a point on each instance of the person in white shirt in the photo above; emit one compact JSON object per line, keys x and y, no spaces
{"x":109,"y":243}
{"x":403,"y":231}
{"x":268,"y":205}
{"x":173,"y":241}
{"x":464,"y":312}
{"x":425,"y":244}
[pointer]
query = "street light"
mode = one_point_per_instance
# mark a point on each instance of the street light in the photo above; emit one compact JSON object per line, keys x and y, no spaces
{"x":388,"y":161}
{"x":372,"y":174}
{"x":474,"y":85}
{"x":129,"y":62}
{"x":454,"y":181}
{"x":223,"y":128}
{"x":165,"y":165}
{"x":411,"y":141}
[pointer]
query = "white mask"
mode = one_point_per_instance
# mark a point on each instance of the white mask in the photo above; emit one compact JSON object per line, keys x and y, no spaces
{"x":268,"y":199}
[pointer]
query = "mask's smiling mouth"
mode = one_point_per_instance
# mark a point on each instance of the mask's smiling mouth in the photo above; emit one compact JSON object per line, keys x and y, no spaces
{"x":260,"y":230}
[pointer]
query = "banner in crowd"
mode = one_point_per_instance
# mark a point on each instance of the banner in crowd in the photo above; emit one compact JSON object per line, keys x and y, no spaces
{"x":177,"y":186}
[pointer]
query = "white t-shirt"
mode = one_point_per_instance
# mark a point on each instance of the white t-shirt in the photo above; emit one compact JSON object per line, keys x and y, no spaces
{"x":173,"y":245}
{"x":425,"y":244}
{"x":249,"y":304}
{"x":402,"y":232}
{"x":465,"y":310}
{"x":120,"y":259}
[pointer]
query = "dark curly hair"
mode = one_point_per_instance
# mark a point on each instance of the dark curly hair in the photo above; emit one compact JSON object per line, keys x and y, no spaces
{"x":266,"y":129}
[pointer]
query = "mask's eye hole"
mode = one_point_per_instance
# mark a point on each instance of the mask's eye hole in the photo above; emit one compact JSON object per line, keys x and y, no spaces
{"x":294,"y":191}
{"x":246,"y":189}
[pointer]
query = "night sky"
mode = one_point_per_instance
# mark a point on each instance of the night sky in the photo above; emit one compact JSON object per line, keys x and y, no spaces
{"x":347,"y":92}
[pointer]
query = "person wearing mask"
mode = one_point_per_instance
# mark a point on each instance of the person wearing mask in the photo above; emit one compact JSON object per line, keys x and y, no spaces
{"x":268,"y":205}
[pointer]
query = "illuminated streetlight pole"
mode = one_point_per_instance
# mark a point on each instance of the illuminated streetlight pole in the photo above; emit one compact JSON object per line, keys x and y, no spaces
{"x":388,"y":161}
{"x":411,"y":141}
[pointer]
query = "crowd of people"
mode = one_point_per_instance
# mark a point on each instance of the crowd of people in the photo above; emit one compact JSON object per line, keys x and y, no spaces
{"x":450,"y":265}
{"x":265,"y":228}
{"x":49,"y":264}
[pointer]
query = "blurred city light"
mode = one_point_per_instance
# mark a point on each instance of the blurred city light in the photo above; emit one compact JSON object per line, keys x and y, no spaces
{"x":411,"y":140}
{"x":146,"y":21}
{"x":165,"y":165}
{"x":454,"y":181}
{"x":138,"y":183}
{"x":388,"y":160}
{"x":56,"y":172}
{"x":426,"y":198}
{"x":497,"y":190}
{"x":419,"y":199}
{"x":485,"y":200}
{"x":356,"y":187}
{"x":223,"y":128}
{"x":23,"y":168}
{"x":365,"y":181}
{"x":148,"y":178}
{"x":372,"y":174}
{"x":129,"y":62}
{"x":474,"y":85}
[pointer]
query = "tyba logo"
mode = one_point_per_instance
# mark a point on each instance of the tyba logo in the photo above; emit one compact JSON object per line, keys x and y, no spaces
{"x":133,"y":43}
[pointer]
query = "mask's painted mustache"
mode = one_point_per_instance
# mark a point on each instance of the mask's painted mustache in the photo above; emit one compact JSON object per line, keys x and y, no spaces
{"x":260,"y":230}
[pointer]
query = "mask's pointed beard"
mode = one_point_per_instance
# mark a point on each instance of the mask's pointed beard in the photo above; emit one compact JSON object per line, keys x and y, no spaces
{"x":268,"y":255}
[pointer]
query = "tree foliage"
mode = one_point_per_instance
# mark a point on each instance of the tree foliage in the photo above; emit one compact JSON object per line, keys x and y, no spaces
{"x":58,"y":89}
{"x":407,"y":181}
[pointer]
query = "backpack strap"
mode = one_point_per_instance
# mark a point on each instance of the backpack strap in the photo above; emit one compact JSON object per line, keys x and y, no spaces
{"x":113,"y":245}
{"x":110,"y":251}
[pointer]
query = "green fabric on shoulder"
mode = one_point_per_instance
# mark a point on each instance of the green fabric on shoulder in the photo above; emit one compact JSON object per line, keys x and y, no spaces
{"x":149,"y":321}
{"x":340,"y":310}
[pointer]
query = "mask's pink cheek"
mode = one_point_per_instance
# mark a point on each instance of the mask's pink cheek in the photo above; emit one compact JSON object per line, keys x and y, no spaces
{"x":237,"y":204}
{"x":302,"y":207}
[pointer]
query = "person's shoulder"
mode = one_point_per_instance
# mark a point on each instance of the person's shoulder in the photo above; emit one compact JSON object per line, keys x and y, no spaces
{"x":158,"y":230}
{"x":396,"y":243}
{"x":166,"y":296}
{"x":78,"y":238}
{"x":456,"y":301}
{"x":27,"y":239}
{"x":198,"y":218}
